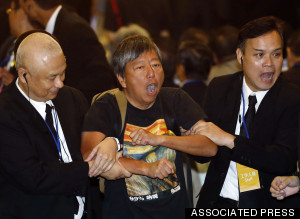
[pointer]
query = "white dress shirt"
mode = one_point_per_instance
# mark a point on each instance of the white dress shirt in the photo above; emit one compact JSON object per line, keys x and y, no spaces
{"x":230,"y":187}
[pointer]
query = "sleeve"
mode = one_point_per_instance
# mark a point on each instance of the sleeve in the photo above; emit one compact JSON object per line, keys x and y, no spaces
{"x":279,"y":154}
{"x":25,"y":161}
{"x":103,"y":116}
{"x":187,"y":111}
{"x":211,"y":99}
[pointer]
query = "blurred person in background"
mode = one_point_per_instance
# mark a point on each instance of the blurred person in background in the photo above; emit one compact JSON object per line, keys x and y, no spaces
{"x":88,"y":69}
{"x":224,"y":45}
{"x":293,"y":58}
{"x":18,"y":24}
{"x":194,"y":60}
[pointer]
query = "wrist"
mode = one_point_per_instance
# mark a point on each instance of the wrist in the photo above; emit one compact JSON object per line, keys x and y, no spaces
{"x":230,"y":141}
{"x":145,"y":169}
{"x":160,"y":140}
{"x":119,"y":146}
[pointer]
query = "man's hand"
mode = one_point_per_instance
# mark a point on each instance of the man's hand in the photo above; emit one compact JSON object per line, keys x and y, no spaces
{"x":184,"y":132}
{"x":143,"y":137}
{"x":284,"y":186}
{"x":160,"y":169}
{"x":213,"y":132}
{"x":117,"y":171}
{"x":6,"y":76}
{"x":103,"y":156}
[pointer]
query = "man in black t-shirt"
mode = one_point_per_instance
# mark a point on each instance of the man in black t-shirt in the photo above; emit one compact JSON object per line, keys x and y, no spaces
{"x":151,"y":163}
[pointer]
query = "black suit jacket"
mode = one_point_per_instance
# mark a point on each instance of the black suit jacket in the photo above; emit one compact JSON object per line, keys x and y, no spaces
{"x":196,"y":90}
{"x":33,"y":183}
{"x":271,"y":149}
{"x":87,"y":66}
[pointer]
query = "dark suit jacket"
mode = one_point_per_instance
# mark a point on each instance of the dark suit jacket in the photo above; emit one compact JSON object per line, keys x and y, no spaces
{"x":33,"y":183}
{"x":271,"y":149}
{"x":87,"y":66}
{"x":293,"y":74}
{"x":196,"y":90}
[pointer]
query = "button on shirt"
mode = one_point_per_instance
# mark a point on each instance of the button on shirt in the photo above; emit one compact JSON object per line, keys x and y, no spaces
{"x":230,"y":187}
{"x":66,"y":157}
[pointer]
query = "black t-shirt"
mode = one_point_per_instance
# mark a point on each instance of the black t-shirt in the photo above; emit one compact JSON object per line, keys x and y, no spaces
{"x":141,"y":196}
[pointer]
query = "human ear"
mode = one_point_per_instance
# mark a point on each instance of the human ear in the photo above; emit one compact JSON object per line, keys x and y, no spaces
{"x":239,"y":56}
{"x":121,"y":80}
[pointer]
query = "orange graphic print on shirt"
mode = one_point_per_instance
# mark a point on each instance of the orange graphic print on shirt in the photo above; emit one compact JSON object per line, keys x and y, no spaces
{"x":138,"y":185}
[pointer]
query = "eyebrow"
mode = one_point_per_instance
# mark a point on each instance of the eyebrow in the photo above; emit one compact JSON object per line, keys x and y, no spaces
{"x":58,"y":73}
{"x":261,"y":50}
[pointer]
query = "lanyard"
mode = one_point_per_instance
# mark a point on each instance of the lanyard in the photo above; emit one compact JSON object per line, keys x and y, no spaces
{"x":56,"y":140}
{"x":243,"y":116}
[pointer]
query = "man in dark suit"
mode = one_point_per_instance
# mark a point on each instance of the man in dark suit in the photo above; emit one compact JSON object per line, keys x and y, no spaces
{"x":293,"y":58}
{"x":194,"y":60}
{"x":42,"y":174}
{"x":251,"y":154}
{"x":88,"y":69}
{"x":18,"y":24}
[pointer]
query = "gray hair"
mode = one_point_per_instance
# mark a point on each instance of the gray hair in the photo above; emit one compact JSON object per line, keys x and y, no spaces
{"x":130,"y":49}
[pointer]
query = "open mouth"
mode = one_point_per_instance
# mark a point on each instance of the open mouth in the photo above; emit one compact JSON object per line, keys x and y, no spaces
{"x":267,"y":77}
{"x":151,"y":89}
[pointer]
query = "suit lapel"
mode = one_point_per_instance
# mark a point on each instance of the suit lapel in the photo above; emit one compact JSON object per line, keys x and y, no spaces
{"x":232,"y":104}
{"x":31,"y":112}
{"x":266,"y":108}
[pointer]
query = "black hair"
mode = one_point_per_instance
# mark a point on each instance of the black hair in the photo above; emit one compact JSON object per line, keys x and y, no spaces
{"x":130,"y":49}
{"x":259,"y":27}
{"x":48,"y":4}
{"x":225,"y":41}
{"x":294,"y":42}
{"x":196,"y":57}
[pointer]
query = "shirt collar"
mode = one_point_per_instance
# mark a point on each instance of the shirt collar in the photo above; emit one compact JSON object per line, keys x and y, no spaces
{"x":247,"y":91}
{"x":51,"y":23}
{"x":39,"y":106}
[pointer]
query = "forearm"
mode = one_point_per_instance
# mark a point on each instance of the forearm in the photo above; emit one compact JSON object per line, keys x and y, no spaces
{"x":89,"y":141}
{"x":273,"y":158}
{"x":158,"y":169}
{"x":198,"y":145}
{"x":125,"y":167}
{"x":137,"y":167}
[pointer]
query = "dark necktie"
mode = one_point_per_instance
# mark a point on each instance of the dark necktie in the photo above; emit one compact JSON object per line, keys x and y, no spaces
{"x":249,"y":117}
{"x":49,"y":119}
{"x":249,"y":199}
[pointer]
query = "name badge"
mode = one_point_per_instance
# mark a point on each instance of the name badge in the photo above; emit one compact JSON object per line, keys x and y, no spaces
{"x":248,"y":178}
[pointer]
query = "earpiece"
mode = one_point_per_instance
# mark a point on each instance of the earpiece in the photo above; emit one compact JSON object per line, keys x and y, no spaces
{"x":24,"y":76}
{"x":242,"y":59}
